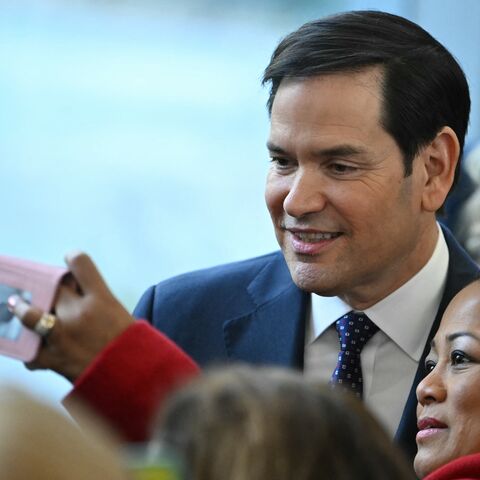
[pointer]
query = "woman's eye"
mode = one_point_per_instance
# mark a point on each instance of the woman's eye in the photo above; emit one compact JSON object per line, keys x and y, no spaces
{"x":429,"y":365}
{"x":458,"y":357}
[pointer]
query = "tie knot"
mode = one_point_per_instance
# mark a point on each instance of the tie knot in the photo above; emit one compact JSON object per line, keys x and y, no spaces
{"x":354,"y":330}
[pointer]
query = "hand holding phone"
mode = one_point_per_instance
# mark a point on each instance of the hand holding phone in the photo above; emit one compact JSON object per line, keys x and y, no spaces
{"x":36,"y":284}
{"x":88,"y":318}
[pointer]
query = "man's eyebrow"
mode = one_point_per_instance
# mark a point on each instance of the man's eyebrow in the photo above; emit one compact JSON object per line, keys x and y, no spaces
{"x":275,"y":148}
{"x":455,"y":335}
{"x":340,"y":151}
{"x":336,"y":151}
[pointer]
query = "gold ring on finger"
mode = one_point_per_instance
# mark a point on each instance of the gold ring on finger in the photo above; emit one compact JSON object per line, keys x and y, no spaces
{"x":45,"y":325}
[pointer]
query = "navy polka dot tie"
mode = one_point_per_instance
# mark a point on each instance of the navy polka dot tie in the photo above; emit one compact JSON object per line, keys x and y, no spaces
{"x":354,"y":330}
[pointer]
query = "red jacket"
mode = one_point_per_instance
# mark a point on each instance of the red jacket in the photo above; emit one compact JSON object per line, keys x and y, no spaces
{"x":463,"y":468}
{"x":127,"y":397}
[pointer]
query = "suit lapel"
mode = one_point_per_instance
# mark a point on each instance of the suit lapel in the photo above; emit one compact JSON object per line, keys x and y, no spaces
{"x":461,"y":271}
{"x":272,"y":331}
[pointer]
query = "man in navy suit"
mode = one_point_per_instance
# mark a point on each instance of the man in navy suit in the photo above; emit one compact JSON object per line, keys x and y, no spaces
{"x":368,"y":118}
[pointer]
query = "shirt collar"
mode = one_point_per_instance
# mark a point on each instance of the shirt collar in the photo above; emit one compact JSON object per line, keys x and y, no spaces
{"x":406,"y":315}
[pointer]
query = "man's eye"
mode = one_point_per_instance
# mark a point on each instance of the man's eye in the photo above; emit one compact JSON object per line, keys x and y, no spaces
{"x":457,"y":357}
{"x":429,"y":365}
{"x":280,"y":162}
{"x":341,"y":168}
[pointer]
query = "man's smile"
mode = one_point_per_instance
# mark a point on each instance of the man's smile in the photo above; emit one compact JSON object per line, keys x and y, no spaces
{"x":310,"y":241}
{"x":313,"y":237}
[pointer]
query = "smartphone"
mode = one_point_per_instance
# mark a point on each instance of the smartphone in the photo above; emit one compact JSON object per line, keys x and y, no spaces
{"x":37,"y":284}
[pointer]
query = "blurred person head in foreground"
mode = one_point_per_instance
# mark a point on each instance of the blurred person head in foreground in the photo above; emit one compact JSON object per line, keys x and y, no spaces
{"x":38,"y":442}
{"x":244,"y":423}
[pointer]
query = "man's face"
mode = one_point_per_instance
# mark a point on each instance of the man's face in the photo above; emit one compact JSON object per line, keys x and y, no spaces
{"x":348,"y":221}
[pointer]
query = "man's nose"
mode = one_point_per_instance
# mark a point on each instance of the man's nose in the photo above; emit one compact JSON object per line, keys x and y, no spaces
{"x":432,"y":388}
{"x":306,"y":194}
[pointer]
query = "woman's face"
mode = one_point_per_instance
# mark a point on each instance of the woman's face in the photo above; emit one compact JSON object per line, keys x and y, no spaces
{"x":448,"y":408}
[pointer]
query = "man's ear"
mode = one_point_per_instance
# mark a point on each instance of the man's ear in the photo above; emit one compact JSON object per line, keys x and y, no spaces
{"x":440,"y":159}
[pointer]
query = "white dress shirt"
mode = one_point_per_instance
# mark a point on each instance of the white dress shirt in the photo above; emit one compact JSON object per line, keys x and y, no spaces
{"x":390,"y":358}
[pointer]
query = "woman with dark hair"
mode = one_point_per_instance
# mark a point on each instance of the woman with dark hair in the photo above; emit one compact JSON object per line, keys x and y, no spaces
{"x":449,"y":396}
{"x":254,"y":424}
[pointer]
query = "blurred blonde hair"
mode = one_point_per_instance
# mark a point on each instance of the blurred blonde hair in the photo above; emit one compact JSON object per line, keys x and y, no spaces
{"x":247,"y":423}
{"x":38,"y":442}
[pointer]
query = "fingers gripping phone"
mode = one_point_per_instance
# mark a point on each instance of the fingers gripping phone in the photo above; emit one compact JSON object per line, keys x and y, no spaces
{"x":37,"y":284}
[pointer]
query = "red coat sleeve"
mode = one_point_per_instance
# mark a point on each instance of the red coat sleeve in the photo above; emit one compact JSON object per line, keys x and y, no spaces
{"x":128,"y":380}
{"x":463,"y":468}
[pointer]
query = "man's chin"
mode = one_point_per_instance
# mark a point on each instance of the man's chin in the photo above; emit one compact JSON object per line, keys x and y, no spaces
{"x":310,"y":278}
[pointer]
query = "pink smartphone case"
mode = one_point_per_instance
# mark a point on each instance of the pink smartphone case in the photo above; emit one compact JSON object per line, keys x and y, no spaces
{"x":42,"y":282}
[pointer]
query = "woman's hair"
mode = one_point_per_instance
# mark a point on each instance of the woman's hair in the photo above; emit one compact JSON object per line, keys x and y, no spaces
{"x":38,"y":442}
{"x":246,"y":423}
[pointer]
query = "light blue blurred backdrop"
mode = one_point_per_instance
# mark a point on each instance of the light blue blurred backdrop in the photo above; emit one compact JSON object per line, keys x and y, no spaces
{"x":136,"y":130}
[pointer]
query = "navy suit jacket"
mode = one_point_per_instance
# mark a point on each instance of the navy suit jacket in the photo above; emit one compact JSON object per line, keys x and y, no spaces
{"x":251,"y":311}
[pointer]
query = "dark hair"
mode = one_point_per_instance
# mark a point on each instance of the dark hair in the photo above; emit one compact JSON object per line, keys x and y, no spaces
{"x":247,"y":423}
{"x":424,"y":88}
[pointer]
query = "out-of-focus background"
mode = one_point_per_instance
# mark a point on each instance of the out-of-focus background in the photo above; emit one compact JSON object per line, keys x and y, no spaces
{"x":135,"y":130}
